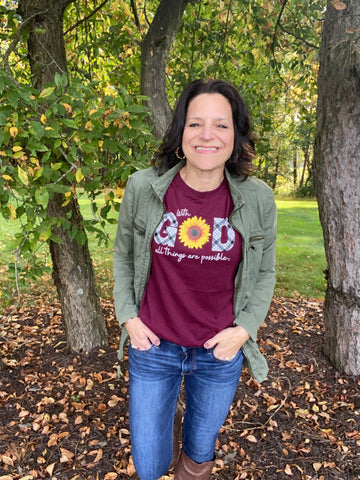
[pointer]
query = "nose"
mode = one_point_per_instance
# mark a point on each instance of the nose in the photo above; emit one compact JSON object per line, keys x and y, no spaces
{"x":206,"y":132}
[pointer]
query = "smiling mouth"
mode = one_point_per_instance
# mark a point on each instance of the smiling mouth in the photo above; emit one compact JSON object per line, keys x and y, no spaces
{"x":207,"y":149}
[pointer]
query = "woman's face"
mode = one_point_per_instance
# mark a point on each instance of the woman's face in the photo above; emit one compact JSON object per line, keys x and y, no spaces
{"x":208,"y":136}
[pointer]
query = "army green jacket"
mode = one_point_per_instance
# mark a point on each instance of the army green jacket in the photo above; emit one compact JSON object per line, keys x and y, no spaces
{"x":254,"y":217}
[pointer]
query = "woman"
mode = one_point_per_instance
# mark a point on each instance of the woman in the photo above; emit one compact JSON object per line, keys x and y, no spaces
{"x":194,"y":269}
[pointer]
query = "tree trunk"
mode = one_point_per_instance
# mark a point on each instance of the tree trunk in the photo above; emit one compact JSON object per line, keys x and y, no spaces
{"x":336,"y":174}
{"x":72,"y":267}
{"x":154,"y":54}
{"x":306,"y":162}
{"x":277,"y":166}
{"x":295,"y":169}
{"x":75,"y":282}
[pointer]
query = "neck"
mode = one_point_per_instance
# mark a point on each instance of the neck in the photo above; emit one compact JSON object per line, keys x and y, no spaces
{"x":202,"y":181}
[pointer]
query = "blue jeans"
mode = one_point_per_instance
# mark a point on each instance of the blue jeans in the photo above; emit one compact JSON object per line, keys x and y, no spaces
{"x":155,"y":377}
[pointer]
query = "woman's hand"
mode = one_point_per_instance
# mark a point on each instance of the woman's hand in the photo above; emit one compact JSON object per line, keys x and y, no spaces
{"x":228,"y":342}
{"x":140,"y":335}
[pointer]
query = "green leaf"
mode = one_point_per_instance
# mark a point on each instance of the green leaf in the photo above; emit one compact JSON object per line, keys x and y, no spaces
{"x":42,"y":197}
{"x":46,"y":92}
{"x":69,"y":123}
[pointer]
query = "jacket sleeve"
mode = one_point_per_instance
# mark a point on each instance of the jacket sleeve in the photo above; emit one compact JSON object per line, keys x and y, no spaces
{"x":262,"y":276}
{"x":123,"y":252}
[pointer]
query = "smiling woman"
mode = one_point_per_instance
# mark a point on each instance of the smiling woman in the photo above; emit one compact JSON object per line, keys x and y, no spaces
{"x":191,"y":288}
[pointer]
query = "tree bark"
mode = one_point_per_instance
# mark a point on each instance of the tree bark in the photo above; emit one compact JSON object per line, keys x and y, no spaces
{"x":336,"y":174}
{"x":75,"y":282}
{"x":72,"y":266}
{"x":154,"y":54}
{"x":295,"y":169}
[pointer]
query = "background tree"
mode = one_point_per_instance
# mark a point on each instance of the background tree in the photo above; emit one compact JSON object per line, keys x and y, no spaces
{"x":56,"y":139}
{"x":337,"y":173}
{"x":155,"y":50}
{"x":72,"y":266}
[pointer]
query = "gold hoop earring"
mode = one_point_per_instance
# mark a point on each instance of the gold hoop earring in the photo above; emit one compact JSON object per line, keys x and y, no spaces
{"x":177,"y":154}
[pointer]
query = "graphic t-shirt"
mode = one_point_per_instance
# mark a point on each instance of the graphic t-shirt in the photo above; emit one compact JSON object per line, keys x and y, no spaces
{"x":195,"y":256}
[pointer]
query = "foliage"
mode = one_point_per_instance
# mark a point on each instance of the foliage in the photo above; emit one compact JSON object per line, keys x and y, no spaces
{"x":61,"y":138}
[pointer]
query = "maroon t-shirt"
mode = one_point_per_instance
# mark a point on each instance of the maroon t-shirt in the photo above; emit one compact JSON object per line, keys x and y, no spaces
{"x":195,"y":256}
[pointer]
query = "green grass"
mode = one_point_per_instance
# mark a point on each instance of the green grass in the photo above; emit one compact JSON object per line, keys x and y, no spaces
{"x":300,"y":258}
{"x":300,"y":250}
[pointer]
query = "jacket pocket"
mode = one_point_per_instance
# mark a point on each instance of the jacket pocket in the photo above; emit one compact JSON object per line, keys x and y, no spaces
{"x":256,"y":247}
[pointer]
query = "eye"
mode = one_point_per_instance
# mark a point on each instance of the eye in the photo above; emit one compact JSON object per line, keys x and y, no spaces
{"x":222,"y":126}
{"x":193,"y":124}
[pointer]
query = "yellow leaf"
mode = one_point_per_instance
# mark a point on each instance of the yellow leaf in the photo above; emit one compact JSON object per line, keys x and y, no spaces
{"x":23,"y":176}
{"x":68,"y":107}
{"x":7,"y":177}
{"x":317,"y":466}
{"x":79,"y":175}
{"x":43,"y":119}
{"x":13,"y":131}
{"x":300,"y":412}
{"x":89,"y":126}
{"x":45,"y":235}
{"x":17,"y":148}
{"x":12,"y":212}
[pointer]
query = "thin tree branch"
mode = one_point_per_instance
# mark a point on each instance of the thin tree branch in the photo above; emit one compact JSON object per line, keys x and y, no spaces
{"x":86,"y":18}
{"x":311,"y":45}
{"x":225,"y":34}
{"x":274,"y":39}
{"x":277,"y":26}
{"x":135,"y":13}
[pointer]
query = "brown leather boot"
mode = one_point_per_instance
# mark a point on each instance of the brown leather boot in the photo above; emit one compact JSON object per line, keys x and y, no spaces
{"x":179,"y":412}
{"x":187,"y":469}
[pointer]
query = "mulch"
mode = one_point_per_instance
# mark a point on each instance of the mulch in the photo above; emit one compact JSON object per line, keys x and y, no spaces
{"x":64,"y":416}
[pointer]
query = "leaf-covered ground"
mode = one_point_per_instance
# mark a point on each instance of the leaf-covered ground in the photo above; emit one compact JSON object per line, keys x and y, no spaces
{"x":64,"y":416}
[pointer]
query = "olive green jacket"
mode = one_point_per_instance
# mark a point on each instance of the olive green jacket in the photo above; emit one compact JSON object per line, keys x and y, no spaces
{"x":254,"y":217}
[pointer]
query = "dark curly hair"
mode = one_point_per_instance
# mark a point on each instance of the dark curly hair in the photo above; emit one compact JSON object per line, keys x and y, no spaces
{"x":240,"y":162}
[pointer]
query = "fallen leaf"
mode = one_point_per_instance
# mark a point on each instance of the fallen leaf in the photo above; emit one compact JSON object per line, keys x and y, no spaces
{"x":338,"y":5}
{"x":288,"y":470}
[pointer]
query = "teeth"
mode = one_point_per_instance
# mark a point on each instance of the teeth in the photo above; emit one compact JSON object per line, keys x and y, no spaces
{"x":207,"y":148}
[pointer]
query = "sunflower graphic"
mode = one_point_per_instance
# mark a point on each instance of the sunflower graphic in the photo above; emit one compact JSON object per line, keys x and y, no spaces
{"x":194,"y":232}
